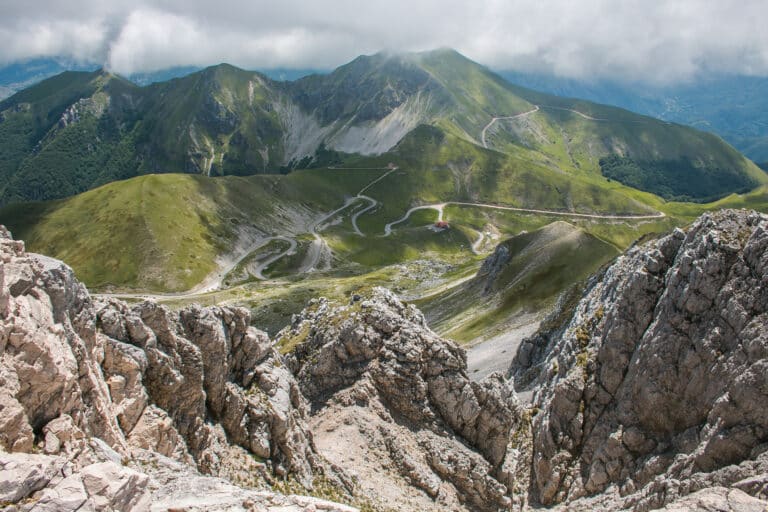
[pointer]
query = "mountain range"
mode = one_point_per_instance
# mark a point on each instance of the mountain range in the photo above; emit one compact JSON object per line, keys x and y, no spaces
{"x":79,"y":130}
{"x":225,"y":184}
{"x":733,"y":106}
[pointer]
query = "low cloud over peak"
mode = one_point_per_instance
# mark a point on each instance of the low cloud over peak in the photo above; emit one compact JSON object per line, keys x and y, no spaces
{"x":656,"y":41}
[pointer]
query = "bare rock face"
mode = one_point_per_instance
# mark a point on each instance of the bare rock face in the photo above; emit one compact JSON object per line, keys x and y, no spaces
{"x":44,"y":483}
{"x":200,"y":363}
{"x":91,"y":383}
{"x":50,"y":354}
{"x":658,"y":384}
{"x":376,"y":365}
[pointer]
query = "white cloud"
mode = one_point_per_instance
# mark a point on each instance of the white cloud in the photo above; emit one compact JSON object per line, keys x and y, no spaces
{"x":81,"y":41}
{"x":656,"y":40}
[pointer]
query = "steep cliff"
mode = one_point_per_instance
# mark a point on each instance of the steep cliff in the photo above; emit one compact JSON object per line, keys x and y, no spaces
{"x":656,"y":385}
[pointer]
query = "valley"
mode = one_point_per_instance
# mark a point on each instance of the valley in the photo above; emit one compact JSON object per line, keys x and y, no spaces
{"x":437,"y":263}
{"x":485,"y":160}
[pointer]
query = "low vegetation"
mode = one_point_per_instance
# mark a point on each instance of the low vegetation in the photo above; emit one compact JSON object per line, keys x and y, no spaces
{"x":537,"y":268}
{"x":676,"y":180}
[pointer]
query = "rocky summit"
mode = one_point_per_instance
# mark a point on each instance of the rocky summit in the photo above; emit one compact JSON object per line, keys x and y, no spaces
{"x":649,"y":392}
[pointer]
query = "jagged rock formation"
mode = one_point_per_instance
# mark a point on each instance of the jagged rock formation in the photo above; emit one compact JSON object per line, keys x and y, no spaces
{"x":34,"y":482}
{"x":379,"y":378}
{"x":650,"y":391}
{"x":656,"y":387}
{"x":81,"y":378}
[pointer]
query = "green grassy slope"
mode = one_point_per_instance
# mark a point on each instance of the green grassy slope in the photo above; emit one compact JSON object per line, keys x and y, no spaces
{"x":164,"y":232}
{"x":575,"y":143}
{"x":437,"y":167}
{"x":540,"y":265}
{"x":80,"y":130}
{"x":76,"y":131}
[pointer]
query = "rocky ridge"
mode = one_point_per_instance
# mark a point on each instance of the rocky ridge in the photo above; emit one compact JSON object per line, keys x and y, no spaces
{"x":649,"y":392}
{"x":378,"y":377}
{"x":656,"y":385}
{"x":90,"y":387}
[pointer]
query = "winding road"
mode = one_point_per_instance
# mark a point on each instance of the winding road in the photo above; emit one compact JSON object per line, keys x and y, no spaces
{"x":213,"y":282}
{"x":493,"y":120}
{"x":319,"y":247}
{"x":439,"y":207}
{"x":258,"y":273}
{"x":357,"y":214}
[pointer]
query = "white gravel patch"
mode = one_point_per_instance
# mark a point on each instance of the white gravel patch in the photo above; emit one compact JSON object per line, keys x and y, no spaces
{"x":495,"y":354}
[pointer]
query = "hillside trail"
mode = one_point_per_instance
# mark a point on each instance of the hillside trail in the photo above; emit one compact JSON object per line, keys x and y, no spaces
{"x":494,"y":119}
{"x":319,"y":247}
{"x":535,"y":108}
{"x":439,"y":207}
{"x":580,"y":114}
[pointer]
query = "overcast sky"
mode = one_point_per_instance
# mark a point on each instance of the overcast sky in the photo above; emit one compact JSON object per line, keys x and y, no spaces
{"x":634,"y":39}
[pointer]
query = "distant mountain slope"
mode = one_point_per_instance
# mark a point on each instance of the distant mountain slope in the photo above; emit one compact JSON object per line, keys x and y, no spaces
{"x":524,"y":274}
{"x":169,"y":232}
{"x":17,"y":76}
{"x":68,"y":134}
{"x":734,"y":107}
{"x":79,"y":130}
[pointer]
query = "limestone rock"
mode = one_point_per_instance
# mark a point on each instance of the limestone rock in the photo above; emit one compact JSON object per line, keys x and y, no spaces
{"x":92,"y":381}
{"x":205,"y":362}
{"x":21,"y":474}
{"x":659,"y":372}
{"x":112,"y":487}
{"x":33,"y":483}
{"x":379,"y":352}
{"x":717,"y":499}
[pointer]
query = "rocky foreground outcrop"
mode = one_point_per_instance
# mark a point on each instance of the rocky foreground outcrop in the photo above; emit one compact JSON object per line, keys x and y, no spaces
{"x":651,"y":391}
{"x":380,"y":380}
{"x":90,"y":388}
{"x":657,"y":385}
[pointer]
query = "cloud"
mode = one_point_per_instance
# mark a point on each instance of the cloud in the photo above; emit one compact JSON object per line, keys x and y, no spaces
{"x":650,"y":40}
